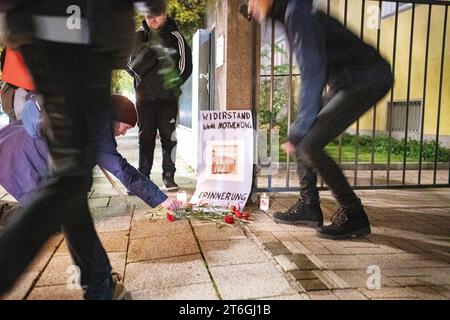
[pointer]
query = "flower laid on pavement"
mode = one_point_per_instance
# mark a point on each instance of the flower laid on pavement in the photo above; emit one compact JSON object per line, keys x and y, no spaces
{"x":219,"y":215}
{"x":170,"y":217}
{"x":229,"y":220}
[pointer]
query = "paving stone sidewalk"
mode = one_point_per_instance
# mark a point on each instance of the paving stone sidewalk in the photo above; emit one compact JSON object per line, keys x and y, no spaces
{"x":410,"y":246}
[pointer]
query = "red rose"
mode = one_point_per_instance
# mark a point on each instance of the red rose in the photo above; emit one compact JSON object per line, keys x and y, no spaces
{"x":247,"y":216}
{"x":229,"y":220}
{"x":234,"y":209}
{"x":170,"y":217}
{"x":238,"y":214}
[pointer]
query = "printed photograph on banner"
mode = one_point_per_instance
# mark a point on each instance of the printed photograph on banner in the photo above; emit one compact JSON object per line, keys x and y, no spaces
{"x":225,"y":160}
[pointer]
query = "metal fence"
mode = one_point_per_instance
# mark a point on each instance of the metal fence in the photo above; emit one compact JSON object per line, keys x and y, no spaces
{"x":404,"y":141}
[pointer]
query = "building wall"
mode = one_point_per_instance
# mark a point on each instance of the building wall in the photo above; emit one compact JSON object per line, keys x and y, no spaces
{"x":402,"y":61}
{"x":233,"y":80}
{"x":217,"y":20}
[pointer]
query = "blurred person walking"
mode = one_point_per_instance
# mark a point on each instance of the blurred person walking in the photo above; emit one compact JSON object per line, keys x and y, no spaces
{"x":357,"y":76}
{"x":70,"y":48}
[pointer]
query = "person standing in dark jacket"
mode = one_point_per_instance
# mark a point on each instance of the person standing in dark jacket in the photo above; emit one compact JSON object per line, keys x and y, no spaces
{"x":160,"y":64}
{"x":357,"y":77}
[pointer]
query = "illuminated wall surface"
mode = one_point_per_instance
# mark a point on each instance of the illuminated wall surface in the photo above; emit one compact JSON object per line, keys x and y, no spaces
{"x":402,"y":59}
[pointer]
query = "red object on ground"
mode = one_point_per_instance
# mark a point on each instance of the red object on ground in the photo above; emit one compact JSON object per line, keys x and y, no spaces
{"x":238,"y":214}
{"x":247,"y":216}
{"x":229,"y":220}
{"x":170,"y":217}
{"x":15,"y":71}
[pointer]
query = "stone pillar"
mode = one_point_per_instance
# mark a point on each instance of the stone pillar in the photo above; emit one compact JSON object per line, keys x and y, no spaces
{"x":239,"y":58}
{"x":234,"y":80}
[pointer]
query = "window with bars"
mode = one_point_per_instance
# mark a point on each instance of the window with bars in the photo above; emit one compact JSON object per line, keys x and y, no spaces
{"x":388,"y":8}
{"x":399,"y":110}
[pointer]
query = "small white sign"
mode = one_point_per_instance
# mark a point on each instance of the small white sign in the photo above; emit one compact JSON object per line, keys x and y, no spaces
{"x":220,"y":51}
{"x":225,"y":166}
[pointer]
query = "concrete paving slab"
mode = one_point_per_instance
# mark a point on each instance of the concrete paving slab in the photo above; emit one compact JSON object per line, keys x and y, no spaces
{"x":250,"y":281}
{"x":198,"y":291}
{"x":231,"y":252}
{"x":55,"y":293}
{"x":23,"y":285}
{"x":162,"y":247}
{"x":171,"y":272}
{"x":158,"y":227}
{"x":212,"y":232}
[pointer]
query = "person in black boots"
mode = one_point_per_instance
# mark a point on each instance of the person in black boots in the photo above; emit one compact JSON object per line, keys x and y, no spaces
{"x":357,"y":78}
{"x":160,"y":63}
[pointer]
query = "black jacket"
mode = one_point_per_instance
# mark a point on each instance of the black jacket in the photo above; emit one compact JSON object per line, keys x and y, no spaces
{"x":59,"y":7}
{"x":2,"y":59}
{"x":106,"y":24}
{"x":160,"y":63}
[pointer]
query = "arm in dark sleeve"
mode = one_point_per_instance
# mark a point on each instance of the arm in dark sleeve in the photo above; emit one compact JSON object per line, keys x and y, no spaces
{"x":7,"y":5}
{"x":309,"y":42}
{"x":183,"y":58}
{"x":143,"y":59}
{"x":111,"y":160}
{"x":2,"y":59}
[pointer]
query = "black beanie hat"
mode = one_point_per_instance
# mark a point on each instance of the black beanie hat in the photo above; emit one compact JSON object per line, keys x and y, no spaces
{"x":152,"y":7}
{"x":123,"y":110}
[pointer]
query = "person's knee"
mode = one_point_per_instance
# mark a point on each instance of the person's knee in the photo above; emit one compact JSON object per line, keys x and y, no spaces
{"x":168,"y":136}
{"x":385,"y":80}
{"x":389,"y":81}
{"x":307,"y":150}
{"x":147,"y":139}
{"x":146,"y":146}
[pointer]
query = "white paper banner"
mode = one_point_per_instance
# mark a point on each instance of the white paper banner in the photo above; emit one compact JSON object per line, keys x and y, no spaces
{"x":225,"y":166}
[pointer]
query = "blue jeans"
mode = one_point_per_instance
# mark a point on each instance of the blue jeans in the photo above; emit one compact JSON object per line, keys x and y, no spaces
{"x":329,"y":54}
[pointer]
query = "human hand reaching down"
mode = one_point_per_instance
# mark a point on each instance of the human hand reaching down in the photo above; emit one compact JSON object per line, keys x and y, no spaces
{"x":289,"y":147}
{"x":172,"y":204}
{"x":259,"y":9}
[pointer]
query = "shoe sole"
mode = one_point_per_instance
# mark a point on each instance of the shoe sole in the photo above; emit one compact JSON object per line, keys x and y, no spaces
{"x":355,"y":234}
{"x":312,"y":224}
{"x":120,"y":292}
{"x":171,"y":189}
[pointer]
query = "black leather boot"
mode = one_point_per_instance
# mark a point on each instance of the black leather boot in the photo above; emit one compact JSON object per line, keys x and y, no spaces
{"x":301,"y":213}
{"x":346,"y":223}
{"x":169,"y":182}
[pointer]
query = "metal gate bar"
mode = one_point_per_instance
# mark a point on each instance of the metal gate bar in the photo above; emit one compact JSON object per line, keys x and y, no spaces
{"x":408,"y":117}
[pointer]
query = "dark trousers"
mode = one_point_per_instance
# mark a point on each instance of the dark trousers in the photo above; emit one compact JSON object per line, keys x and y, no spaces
{"x":75,"y":81}
{"x":157,"y":116}
{"x":368,"y":86}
